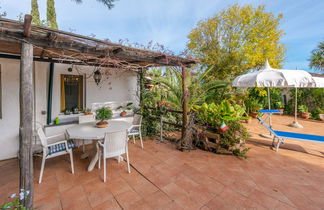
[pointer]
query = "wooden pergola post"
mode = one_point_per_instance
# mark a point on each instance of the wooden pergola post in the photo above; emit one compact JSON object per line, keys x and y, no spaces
{"x":141,"y":86}
{"x":184,"y":101}
{"x":26,"y":117}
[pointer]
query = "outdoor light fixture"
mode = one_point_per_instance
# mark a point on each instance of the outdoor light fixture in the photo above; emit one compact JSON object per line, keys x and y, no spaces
{"x":97,"y":76}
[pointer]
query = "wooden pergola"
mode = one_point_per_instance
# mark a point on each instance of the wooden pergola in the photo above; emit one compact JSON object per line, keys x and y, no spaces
{"x":30,"y":43}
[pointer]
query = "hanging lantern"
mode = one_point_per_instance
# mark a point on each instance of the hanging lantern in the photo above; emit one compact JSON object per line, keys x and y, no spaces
{"x":97,"y":76}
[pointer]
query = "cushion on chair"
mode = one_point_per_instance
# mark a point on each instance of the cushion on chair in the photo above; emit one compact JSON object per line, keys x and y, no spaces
{"x":134,"y":130}
{"x":60,"y":147}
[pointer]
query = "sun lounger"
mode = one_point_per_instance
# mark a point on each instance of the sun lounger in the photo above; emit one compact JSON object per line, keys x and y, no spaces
{"x":281,"y":135}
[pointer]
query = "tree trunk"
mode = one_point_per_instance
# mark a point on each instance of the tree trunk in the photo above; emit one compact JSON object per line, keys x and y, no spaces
{"x":141,"y":86}
{"x":26,"y":117}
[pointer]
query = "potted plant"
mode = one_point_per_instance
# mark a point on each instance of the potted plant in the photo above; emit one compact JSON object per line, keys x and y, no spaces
{"x":103,"y":114}
{"x":303,"y":109}
{"x":321,"y":116}
{"x":160,"y":103}
{"x":280,"y":107}
{"x":253,"y":106}
{"x":318,"y":113}
{"x":124,"y":108}
{"x":87,"y":111}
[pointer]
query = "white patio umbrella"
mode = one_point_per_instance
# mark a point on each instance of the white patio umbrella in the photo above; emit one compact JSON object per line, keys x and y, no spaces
{"x":317,"y":82}
{"x":278,"y":78}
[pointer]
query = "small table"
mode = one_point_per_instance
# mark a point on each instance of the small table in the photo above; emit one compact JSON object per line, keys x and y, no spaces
{"x":89,"y":131}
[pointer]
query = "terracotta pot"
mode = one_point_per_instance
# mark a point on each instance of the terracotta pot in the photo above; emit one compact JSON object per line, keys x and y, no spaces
{"x":160,"y":103}
{"x":102,"y":124}
{"x":123,"y":113}
{"x":321,"y":116}
{"x":253,"y":114}
{"x":305,"y":115}
{"x":281,"y":110}
{"x":88,"y":113}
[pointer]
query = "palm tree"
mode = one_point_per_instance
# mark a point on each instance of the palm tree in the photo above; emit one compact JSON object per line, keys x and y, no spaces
{"x":317,"y":57}
{"x":170,"y":86}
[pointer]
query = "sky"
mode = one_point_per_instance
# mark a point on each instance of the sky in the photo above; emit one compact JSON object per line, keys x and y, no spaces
{"x":168,"y":22}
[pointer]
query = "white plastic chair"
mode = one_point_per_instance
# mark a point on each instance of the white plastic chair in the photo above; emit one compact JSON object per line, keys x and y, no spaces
{"x":86,"y":119}
{"x":114,"y":145}
{"x":53,"y":150}
{"x":136,"y":128}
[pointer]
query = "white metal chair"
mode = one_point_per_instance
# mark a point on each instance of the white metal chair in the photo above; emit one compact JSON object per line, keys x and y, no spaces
{"x":114,"y":145}
{"x":53,"y":150}
{"x":86,"y":119}
{"x":136,"y":128}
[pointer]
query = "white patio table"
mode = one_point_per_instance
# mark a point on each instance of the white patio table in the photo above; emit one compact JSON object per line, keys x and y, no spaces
{"x":89,"y":131}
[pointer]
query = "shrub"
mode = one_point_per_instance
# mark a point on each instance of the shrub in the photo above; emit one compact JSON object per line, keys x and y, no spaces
{"x":214,"y":115}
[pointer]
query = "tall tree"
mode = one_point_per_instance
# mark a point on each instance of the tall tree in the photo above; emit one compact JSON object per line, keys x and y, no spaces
{"x":317,"y":57}
{"x":51,"y":14}
{"x":35,"y":12}
{"x":236,"y":40}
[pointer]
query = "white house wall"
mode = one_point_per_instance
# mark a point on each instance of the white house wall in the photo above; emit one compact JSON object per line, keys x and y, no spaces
{"x":9,"y":124}
{"x":119,"y":86}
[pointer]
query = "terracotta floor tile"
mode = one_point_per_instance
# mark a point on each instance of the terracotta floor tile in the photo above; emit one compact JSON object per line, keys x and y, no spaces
{"x":195,"y":179}
{"x":187,"y":202}
{"x":80,"y":205}
{"x":249,"y":204}
{"x":127,"y":198}
{"x":201,"y":195}
{"x":263,"y":199}
{"x":174,"y":191}
{"x":157,"y":178}
{"x":157,"y":200}
{"x":145,"y":189}
{"x":98,"y":196}
{"x":117,"y":187}
{"x":139,"y":205}
{"x":48,"y":203}
{"x":172,"y":206}
{"x":232,"y":198}
{"x":283,"y":206}
{"x":73,"y":197}
{"x":218,"y":203}
{"x":204,"y":208}
{"x":110,"y":204}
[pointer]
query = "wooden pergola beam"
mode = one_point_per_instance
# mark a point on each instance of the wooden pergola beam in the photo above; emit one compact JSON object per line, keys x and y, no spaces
{"x":117,"y":50}
{"x":67,"y":43}
{"x":64,"y":45}
{"x":26,"y":117}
